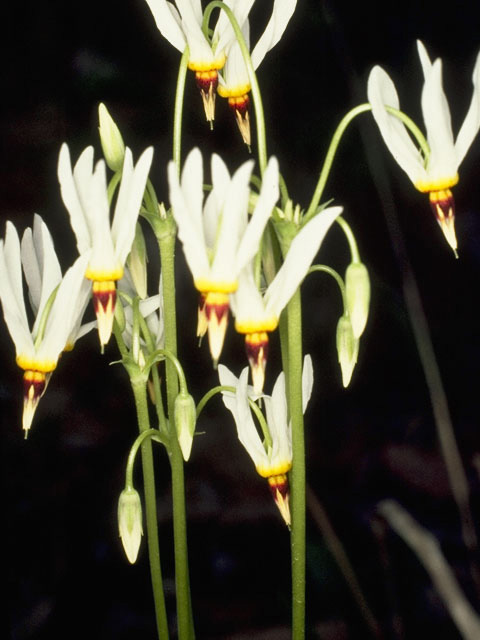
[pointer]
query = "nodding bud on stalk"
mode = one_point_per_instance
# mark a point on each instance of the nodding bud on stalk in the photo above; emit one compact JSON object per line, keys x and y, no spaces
{"x":130,"y":522}
{"x":357,"y":293}
{"x":137,"y":262}
{"x":111,"y":139}
{"x":347,"y":348}
{"x":185,"y":419}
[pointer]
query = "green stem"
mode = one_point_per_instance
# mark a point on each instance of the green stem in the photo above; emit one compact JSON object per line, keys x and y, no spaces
{"x":352,"y":243}
{"x":297,"y":473}
{"x":335,"y":275}
{"x":337,"y":136}
{"x":177,"y":117}
{"x":182,"y":579}
{"x":144,"y":435}
{"x":256,"y":95}
{"x":140,"y":394}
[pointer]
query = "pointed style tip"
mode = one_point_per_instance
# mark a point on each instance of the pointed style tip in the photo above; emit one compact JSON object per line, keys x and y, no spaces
{"x":280,"y":491}
{"x":34,"y":384}
{"x":256,"y":346}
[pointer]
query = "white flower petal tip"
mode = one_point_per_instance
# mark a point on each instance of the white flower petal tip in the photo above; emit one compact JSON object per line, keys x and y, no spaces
{"x":216,"y":311}
{"x":104,"y":300}
{"x":256,"y":346}
{"x":281,"y":494}
{"x":130,"y":522}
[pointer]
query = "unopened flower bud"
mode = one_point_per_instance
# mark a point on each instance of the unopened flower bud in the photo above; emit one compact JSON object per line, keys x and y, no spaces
{"x":185,"y":419}
{"x":357,"y":292}
{"x":130,"y":522}
{"x":111,"y":139}
{"x":347,"y":349}
{"x":137,"y":262}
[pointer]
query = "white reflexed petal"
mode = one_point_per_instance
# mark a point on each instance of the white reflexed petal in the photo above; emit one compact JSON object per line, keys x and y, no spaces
{"x":281,"y":14}
{"x":471,"y":124}
{"x":307,"y":381}
{"x":424,"y":58}
{"x":302,"y":251}
{"x":266,"y":201}
{"x":215,"y":201}
{"x":40,"y":264}
{"x":233,"y":222}
{"x":129,"y":201}
{"x":11,"y":292}
{"x":64,"y":312}
{"x":168,"y":22}
{"x":78,"y":329}
{"x":246,"y":429}
{"x":200,"y":50}
{"x":97,"y":212}
{"x":190,"y":229}
{"x":381,"y":93}
{"x":224,"y":35}
{"x":71,"y":197}
{"x":247,"y":301}
{"x":436,"y":114}
{"x":234,"y":73}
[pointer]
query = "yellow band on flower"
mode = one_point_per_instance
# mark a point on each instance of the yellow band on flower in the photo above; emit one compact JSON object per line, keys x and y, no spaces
{"x":34,"y":365}
{"x":437,"y":185}
{"x":201,"y":65}
{"x":256,"y":326}
{"x":99,"y":275}
{"x":209,"y":286}
{"x":233,"y":92}
{"x":278,"y":469}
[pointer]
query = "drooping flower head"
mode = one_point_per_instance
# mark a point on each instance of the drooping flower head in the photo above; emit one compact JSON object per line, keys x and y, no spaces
{"x":84,"y":192}
{"x":217,"y":236}
{"x":440,"y":172}
{"x":181,"y":25}
{"x":272,"y":459}
{"x":256,"y":315}
{"x":234,"y":81}
{"x":57,"y":303}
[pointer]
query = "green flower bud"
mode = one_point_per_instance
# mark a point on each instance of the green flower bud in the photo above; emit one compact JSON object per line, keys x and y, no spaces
{"x":357,"y":292}
{"x":137,"y":262}
{"x":111,"y":139}
{"x":185,"y":419}
{"x":130,"y":522}
{"x":347,"y":349}
{"x":119,"y":315}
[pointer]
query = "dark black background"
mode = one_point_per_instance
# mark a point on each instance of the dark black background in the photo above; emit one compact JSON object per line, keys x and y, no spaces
{"x":64,"y":568}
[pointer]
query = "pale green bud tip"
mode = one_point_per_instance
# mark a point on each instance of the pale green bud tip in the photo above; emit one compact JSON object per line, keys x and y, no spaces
{"x":111,"y":139}
{"x":130,"y":522}
{"x":357,"y":293}
{"x":347,"y":349}
{"x":185,"y":419}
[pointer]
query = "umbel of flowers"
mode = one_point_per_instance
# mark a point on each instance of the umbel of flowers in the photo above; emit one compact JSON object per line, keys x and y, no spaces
{"x":248,"y":247}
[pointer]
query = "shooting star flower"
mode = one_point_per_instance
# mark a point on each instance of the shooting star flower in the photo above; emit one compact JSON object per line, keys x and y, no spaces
{"x":234,"y":81}
{"x":181,"y":25}
{"x":84,"y":192}
{"x":439,"y":173}
{"x":218,"y":238}
{"x":255,"y":314}
{"x":272,"y":457}
{"x":58,"y":303}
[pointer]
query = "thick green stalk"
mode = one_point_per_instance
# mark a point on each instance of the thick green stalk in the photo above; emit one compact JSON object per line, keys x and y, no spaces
{"x":297,"y":473}
{"x":140,"y":393}
{"x":182,"y":579}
